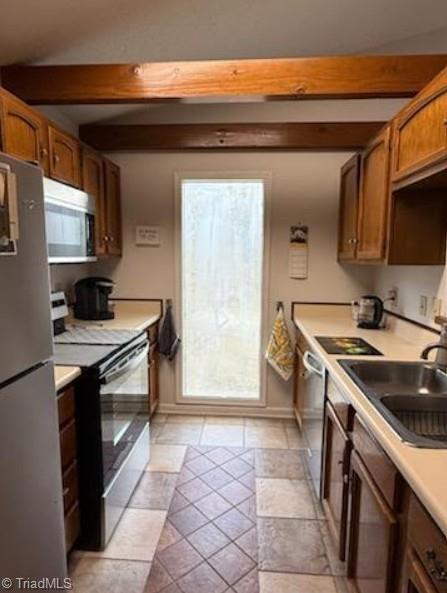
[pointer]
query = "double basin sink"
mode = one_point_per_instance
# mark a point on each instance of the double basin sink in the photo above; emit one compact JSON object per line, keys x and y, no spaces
{"x":411,"y":396}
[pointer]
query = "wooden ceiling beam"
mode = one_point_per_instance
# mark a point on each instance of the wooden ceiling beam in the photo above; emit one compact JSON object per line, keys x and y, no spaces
{"x":253,"y":136}
{"x":344,"y":77}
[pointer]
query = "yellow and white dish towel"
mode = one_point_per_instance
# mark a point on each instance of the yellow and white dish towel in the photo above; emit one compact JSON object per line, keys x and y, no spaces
{"x":280,"y":350}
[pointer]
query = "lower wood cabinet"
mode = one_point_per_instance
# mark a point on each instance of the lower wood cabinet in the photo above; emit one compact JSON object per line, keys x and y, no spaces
{"x":416,"y":578}
{"x":373,"y":534}
{"x":335,"y":491}
{"x":153,"y":364}
{"x":69,"y":464}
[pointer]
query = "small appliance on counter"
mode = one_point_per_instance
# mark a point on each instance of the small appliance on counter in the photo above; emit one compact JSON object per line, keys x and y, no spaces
{"x":92,"y":298}
{"x":370,"y":312}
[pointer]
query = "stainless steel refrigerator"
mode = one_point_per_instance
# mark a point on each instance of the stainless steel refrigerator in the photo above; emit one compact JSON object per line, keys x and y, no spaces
{"x":31,"y":508}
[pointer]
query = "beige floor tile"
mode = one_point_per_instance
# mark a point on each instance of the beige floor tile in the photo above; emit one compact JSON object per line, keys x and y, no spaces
{"x":284,"y":498}
{"x":166,"y":458}
{"x":180,"y":434}
{"x":295,"y":439}
{"x":97,"y":575}
{"x":223,"y":435}
{"x":268,"y":437}
{"x":232,"y":420}
{"x":159,"y":418}
{"x":271,"y":582}
{"x":263,"y":422}
{"x":136,"y":536}
{"x":185,"y":419}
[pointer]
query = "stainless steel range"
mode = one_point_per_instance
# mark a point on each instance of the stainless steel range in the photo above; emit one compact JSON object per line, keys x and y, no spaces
{"x":112,"y":419}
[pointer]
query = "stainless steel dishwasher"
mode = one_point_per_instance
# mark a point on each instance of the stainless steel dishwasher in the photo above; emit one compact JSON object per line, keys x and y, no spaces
{"x":313,"y":414}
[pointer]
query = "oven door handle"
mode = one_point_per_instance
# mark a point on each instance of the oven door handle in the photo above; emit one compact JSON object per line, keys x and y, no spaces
{"x":312,"y":364}
{"x":131,"y":364}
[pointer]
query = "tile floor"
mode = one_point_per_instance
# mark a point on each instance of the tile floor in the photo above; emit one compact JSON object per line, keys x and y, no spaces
{"x":225,"y":506}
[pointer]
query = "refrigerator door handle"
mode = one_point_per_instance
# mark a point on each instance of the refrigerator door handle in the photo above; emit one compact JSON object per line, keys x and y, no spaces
{"x":9,"y":215}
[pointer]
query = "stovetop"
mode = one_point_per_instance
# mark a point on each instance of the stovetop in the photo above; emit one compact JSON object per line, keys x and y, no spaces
{"x":80,"y":355}
{"x":96,"y":337}
{"x":86,"y":346}
{"x":348,"y":346}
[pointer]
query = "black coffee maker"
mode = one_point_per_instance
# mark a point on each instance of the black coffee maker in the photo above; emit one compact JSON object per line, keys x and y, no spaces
{"x":92,"y":298}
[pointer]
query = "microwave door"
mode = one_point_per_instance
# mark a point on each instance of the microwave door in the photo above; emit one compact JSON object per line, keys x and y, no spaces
{"x":70,"y":234}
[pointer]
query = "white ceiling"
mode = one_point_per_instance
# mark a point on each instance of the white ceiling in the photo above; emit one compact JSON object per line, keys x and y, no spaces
{"x":82,"y":31}
{"x":95,"y":31}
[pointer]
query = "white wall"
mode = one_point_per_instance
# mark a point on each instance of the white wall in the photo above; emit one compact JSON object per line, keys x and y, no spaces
{"x":305,"y":188}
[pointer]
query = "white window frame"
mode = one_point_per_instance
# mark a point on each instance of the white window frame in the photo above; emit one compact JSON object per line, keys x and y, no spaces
{"x":266,"y":178}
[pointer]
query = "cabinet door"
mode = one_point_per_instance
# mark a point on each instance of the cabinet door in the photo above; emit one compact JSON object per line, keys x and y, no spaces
{"x":25,"y":133}
{"x":374,"y":199}
{"x":65,"y":158}
{"x":93,"y":183}
{"x":336,"y":478}
{"x":298,"y":385}
{"x":420,"y":137}
{"x":348,"y":216}
{"x":153,"y":378}
{"x":417,"y":579}
{"x":372,"y":534}
{"x":113,"y":207}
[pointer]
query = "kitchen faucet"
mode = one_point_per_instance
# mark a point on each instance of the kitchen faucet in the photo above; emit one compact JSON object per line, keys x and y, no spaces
{"x":441,"y":347}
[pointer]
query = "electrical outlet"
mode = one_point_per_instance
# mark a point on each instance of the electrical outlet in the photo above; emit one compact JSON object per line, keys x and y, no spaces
{"x":423,"y":304}
{"x":393,"y":295}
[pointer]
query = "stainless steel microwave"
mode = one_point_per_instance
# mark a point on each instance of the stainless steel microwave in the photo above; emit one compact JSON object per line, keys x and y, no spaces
{"x":69,"y":223}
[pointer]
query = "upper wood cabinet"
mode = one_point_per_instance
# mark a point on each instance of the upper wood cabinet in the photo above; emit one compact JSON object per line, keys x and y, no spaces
{"x":112,"y":178}
{"x":420,"y":134}
{"x":349,"y":202}
{"x":25,"y":132}
{"x":374,"y":198}
{"x":65,"y":157}
{"x":93,"y":184}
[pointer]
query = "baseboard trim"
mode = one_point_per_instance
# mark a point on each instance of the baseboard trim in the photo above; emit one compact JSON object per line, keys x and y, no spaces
{"x":207,"y":410}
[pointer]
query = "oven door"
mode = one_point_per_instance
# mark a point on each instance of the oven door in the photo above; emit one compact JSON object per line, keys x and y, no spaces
{"x":70,"y":233}
{"x":124,"y":392}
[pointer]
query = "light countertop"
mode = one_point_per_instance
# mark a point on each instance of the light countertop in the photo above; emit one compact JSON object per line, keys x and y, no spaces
{"x":137,"y":315}
{"x":423,"y":469}
{"x":65,"y":375}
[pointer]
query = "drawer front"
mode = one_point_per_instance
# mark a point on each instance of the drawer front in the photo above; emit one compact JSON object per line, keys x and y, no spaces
{"x":301,"y":341}
{"x":379,"y":466}
{"x":429,"y":543}
{"x":70,"y":486}
{"x":72,"y":526}
{"x":66,"y":406}
{"x":68,"y":444}
{"x":343,"y":410}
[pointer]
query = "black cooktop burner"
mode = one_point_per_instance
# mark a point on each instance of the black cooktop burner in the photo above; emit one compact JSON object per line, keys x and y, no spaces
{"x":348,"y":346}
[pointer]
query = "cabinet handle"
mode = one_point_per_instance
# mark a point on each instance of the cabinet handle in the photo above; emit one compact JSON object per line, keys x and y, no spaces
{"x":43,"y":152}
{"x":56,"y":158}
{"x":105,"y":238}
{"x":66,"y":491}
{"x":111,"y":239}
{"x":435,"y":566}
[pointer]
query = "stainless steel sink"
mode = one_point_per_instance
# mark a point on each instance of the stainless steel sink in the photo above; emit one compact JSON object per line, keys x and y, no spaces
{"x":411,"y":396}
{"x":397,"y":377}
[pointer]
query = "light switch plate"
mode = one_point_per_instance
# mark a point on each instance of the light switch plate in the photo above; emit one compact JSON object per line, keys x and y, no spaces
{"x":148,"y":235}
